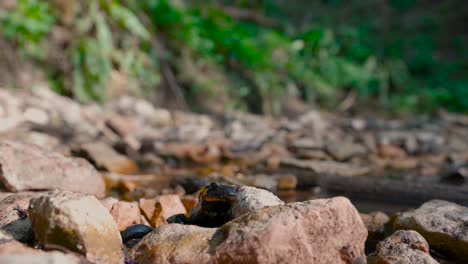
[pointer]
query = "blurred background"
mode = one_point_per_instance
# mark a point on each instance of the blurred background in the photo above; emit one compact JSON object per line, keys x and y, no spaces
{"x":389,"y":57}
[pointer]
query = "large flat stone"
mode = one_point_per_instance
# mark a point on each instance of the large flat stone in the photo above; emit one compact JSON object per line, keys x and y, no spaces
{"x":28,"y":167}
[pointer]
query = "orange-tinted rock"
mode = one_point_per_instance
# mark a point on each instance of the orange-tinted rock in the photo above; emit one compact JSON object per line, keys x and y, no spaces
{"x":28,"y":167}
{"x":288,"y":182}
{"x":126,"y":214}
{"x":106,"y":157}
{"x":166,"y":206}
{"x":189,"y":202}
{"x":158,"y":209}
{"x":391,"y":151}
{"x":147,"y":207}
{"x":131,"y":182}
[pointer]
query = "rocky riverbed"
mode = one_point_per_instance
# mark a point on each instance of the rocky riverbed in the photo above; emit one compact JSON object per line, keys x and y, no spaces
{"x":75,"y":176}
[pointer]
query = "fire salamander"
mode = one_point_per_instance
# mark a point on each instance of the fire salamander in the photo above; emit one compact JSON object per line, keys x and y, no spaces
{"x":213,"y":209}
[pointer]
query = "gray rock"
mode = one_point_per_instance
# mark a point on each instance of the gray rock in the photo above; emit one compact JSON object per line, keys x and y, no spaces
{"x":251,"y":199}
{"x":403,"y":247}
{"x":443,"y":224}
{"x":342,"y":151}
{"x":79,"y":223}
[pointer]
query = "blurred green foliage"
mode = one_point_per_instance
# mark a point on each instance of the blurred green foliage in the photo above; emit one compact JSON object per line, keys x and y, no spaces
{"x":28,"y":24}
{"x":322,"y":51}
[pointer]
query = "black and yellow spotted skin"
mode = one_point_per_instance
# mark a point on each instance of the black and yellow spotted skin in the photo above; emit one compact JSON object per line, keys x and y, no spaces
{"x":213,"y":209}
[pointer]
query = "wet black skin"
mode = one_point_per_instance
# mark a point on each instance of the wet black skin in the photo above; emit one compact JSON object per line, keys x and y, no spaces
{"x":213,"y":209}
{"x":135,"y":232}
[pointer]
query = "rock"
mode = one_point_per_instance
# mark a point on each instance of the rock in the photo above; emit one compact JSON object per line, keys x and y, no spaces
{"x":303,"y":232}
{"x":10,"y":246}
{"x":391,"y":151}
{"x":13,"y":252}
{"x":403,"y":247}
{"x":108,"y":202}
{"x":325,"y":167}
{"x":375,"y":222}
{"x":342,"y":151}
{"x":156,"y":181}
{"x":251,"y":199}
{"x":14,"y":218}
{"x":42,"y":258}
{"x":157,"y":210}
{"x":43,"y":140}
{"x":189,"y":202}
{"x":5,"y":195}
{"x":174,"y":243}
{"x":288,"y":182}
{"x":28,"y":167}
{"x":107,"y":158}
{"x":263,"y":181}
{"x":443,"y":224}
{"x":126,"y":214}
{"x":77,"y":222}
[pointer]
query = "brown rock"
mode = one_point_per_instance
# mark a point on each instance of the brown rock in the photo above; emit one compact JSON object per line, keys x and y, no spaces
{"x":443,"y":224}
{"x":157,"y":210}
{"x":78,"y":222}
{"x":403,"y":247}
{"x":147,"y":207}
{"x":126,"y":214}
{"x":14,"y":218}
{"x":251,"y":199}
{"x":391,"y":151}
{"x":189,"y":202}
{"x":288,"y":182}
{"x":45,"y":170}
{"x":107,"y":158}
{"x":131,"y":182}
{"x":174,"y":244}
